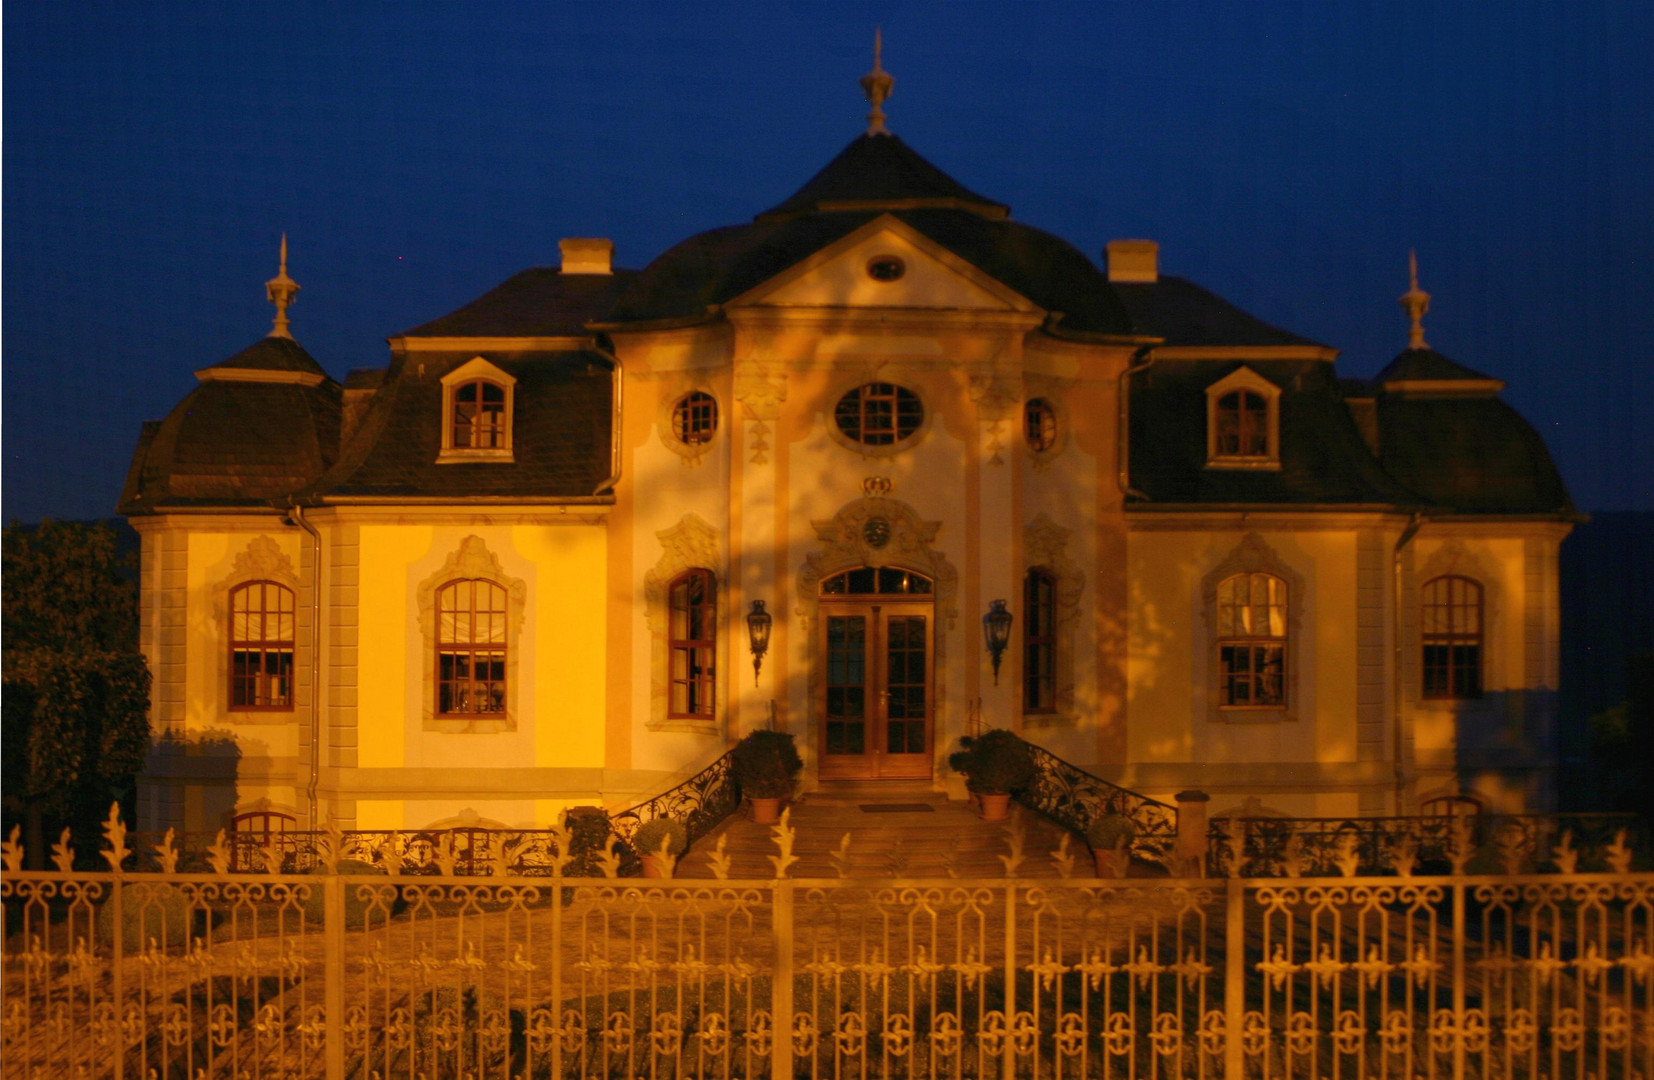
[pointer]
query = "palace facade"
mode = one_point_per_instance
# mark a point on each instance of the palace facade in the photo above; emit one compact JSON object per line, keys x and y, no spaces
{"x":527,"y":564}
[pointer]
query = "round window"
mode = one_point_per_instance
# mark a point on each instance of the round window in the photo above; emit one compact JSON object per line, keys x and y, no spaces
{"x":1040,"y":425}
{"x":879,"y":414}
{"x":695,"y":418}
{"x":885,"y":268}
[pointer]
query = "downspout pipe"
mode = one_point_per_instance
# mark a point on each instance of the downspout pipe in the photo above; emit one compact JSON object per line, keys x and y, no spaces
{"x":1400,"y":677}
{"x":1141,"y":360}
{"x":296,"y":516}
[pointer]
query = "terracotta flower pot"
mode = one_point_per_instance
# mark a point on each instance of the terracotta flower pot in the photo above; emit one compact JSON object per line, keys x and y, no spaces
{"x":995,"y":807}
{"x":656,"y":867}
{"x":765,"y":811}
{"x":1111,"y":862}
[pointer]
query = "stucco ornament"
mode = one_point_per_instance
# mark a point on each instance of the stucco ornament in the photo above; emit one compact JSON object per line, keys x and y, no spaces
{"x":995,"y":394}
{"x":876,"y":532}
{"x":689,"y":545}
{"x":262,"y":560}
{"x":846,"y":544}
{"x":761,"y":390}
{"x":472,"y":559}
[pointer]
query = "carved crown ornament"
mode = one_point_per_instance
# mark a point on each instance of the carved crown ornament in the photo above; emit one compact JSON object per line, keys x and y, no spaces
{"x":262,"y":559}
{"x":878,"y":531}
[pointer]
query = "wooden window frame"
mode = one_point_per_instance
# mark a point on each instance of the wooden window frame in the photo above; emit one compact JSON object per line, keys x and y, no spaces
{"x":476,"y":393}
{"x":264,"y":646}
{"x":1039,"y":425}
{"x":1257,"y":646}
{"x":851,"y":415}
{"x":477,"y":372}
{"x":1258,"y":433}
{"x":477,"y":696}
{"x":699,"y":678}
{"x":1464,"y":680}
{"x":695,"y":418}
{"x":1039,"y":642}
{"x":247,"y":844}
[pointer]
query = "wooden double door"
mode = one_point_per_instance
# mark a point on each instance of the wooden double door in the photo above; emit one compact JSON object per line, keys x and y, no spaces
{"x":877,"y":702}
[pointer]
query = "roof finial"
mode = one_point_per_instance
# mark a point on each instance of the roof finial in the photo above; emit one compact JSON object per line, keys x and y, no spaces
{"x":1415,"y":302}
{"x":877,"y":84}
{"x":281,"y":289}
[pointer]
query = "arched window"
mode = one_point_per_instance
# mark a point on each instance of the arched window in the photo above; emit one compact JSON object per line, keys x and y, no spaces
{"x":252,"y":833}
{"x":692,"y":644}
{"x":1039,"y":419}
{"x":1242,"y":425}
{"x":1039,"y":638}
{"x":479,"y":416}
{"x":1451,"y":614}
{"x":879,"y":414}
{"x":261,"y":646}
{"x":695,"y":418}
{"x":1251,"y":641}
{"x":470,"y":648}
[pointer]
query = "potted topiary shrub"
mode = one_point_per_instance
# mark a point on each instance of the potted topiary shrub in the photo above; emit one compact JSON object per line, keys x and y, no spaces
{"x":1110,"y":836}
{"x":996,"y":765}
{"x":658,"y":843}
{"x":765,"y":763}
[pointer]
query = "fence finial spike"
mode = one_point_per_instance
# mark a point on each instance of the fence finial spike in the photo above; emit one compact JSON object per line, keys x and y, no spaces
{"x":783,"y":833}
{"x":11,"y":850}
{"x":841,"y":856}
{"x":1564,"y":855}
{"x":609,"y":858}
{"x":1013,"y":839}
{"x":1063,"y":857}
{"x":167,"y":854}
{"x":114,"y":835}
{"x":63,"y":853}
{"x":719,"y":860}
{"x":1618,"y":854}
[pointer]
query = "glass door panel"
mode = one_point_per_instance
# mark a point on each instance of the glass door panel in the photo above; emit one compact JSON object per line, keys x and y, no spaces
{"x":846,"y":712}
{"x":907,"y":684}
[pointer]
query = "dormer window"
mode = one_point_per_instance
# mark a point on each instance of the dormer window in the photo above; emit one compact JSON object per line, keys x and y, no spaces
{"x":476,"y":413}
{"x":1243,"y":422}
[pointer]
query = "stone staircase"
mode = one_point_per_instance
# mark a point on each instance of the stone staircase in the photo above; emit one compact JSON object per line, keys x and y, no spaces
{"x":895,"y":830}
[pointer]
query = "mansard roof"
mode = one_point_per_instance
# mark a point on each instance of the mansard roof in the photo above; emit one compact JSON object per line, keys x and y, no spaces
{"x":1469,"y":454}
{"x":881,"y":172}
{"x":560,"y":426}
{"x":538,"y":302}
{"x":1184,"y":314}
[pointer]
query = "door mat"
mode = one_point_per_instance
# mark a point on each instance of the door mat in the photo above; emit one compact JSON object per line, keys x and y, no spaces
{"x":898,"y":808}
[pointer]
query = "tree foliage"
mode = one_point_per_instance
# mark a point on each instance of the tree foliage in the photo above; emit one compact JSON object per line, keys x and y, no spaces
{"x":76,"y":688}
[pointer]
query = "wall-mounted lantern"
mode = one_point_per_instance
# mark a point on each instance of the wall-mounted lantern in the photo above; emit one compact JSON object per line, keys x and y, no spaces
{"x":758,"y":631}
{"x":996,"y":628}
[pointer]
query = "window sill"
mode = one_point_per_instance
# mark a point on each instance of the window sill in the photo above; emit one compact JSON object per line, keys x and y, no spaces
{"x":247,"y":717}
{"x":1055,"y":718}
{"x":471,"y":725}
{"x":1272,"y":714}
{"x":708,"y":726}
{"x":471,"y":457}
{"x":1250,"y":464}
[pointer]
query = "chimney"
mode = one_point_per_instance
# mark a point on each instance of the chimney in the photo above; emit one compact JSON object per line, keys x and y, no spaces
{"x":586,"y":255}
{"x":1134,"y":261}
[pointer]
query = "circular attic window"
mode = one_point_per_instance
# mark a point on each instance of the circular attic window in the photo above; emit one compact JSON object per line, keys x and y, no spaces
{"x":885,"y":267}
{"x":879,"y":414}
{"x":695,"y":418}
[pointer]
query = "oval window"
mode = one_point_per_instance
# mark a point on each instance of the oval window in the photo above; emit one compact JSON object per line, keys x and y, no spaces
{"x":885,"y":268}
{"x":879,"y":414}
{"x":695,"y":418}
{"x":1040,"y":425}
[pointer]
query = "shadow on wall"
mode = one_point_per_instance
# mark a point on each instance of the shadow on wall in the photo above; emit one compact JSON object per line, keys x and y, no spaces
{"x":209,"y":759}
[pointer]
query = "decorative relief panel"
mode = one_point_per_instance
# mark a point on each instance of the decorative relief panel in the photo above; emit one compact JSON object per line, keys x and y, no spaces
{"x":688,"y":545}
{"x":761,"y":390}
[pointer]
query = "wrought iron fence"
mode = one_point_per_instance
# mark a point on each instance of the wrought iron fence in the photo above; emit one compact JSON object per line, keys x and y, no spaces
{"x":1475,"y":843}
{"x":205,"y":975}
{"x":1073,"y":798}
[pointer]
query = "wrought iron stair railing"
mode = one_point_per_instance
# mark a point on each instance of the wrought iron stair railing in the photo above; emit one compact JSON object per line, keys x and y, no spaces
{"x":1073,"y":798}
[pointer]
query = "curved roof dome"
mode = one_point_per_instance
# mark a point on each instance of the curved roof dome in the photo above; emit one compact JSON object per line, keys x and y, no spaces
{"x":260,"y":425}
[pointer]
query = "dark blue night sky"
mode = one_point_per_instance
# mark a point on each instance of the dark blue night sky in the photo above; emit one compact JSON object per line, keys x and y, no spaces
{"x":1284,"y":155}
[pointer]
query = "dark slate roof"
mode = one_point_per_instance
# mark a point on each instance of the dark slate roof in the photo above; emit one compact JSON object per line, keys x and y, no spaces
{"x":540,"y":302}
{"x":1185,"y":314}
{"x":235,"y":443}
{"x":884,"y":170}
{"x":1323,"y":458}
{"x":719,"y":265}
{"x":1427,"y":365}
{"x":1473,"y":455}
{"x":560,"y":431}
{"x":364,"y":378}
{"x":272,"y":354}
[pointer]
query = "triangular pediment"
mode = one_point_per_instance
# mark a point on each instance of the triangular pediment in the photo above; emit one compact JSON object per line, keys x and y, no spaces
{"x":842,"y":275}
